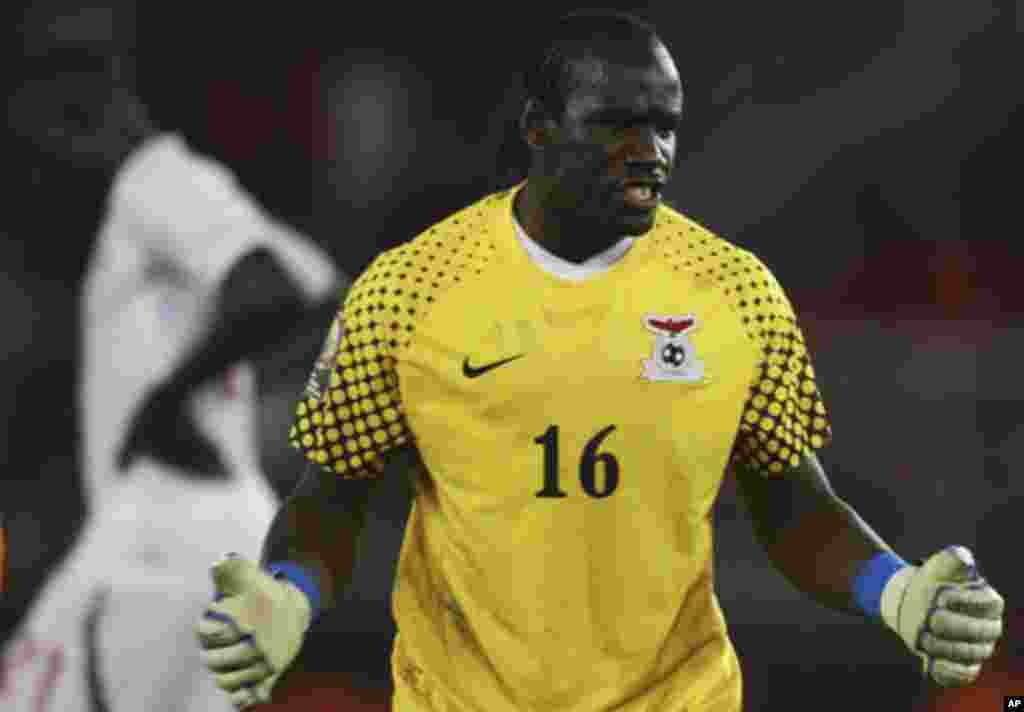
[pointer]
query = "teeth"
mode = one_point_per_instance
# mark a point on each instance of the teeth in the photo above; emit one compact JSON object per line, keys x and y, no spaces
{"x":639,"y":192}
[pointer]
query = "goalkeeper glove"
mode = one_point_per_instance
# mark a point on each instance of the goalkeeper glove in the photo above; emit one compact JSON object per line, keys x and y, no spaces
{"x":947,"y":615}
{"x":253,"y":630}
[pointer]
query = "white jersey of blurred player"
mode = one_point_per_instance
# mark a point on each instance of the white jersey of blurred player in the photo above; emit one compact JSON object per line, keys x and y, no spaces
{"x":114,"y":627}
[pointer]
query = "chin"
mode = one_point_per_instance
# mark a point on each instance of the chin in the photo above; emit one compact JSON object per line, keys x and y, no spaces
{"x":635,"y":225}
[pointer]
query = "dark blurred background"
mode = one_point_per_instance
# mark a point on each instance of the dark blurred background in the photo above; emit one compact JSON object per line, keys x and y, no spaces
{"x":867,"y":152}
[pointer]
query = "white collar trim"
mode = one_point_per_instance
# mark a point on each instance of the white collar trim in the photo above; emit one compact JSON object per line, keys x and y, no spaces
{"x":563,"y":269}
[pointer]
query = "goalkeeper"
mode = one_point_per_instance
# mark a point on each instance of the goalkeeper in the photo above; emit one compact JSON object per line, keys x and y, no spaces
{"x":566,"y":370}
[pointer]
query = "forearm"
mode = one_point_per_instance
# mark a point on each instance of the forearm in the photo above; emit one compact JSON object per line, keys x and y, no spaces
{"x":812,"y":536}
{"x":259,"y":311}
{"x":825,"y":570}
{"x":319,"y":528}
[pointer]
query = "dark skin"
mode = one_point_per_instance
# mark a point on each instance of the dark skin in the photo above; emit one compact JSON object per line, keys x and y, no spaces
{"x":619,"y":123}
{"x":73,"y":117}
{"x":76,"y":113}
{"x":798,"y":507}
{"x":74,"y":109}
{"x":319,"y":527}
{"x":273,"y":320}
{"x":320,"y":524}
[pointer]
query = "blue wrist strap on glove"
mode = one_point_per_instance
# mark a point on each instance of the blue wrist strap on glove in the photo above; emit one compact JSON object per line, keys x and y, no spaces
{"x":871,"y":580}
{"x":304,"y":579}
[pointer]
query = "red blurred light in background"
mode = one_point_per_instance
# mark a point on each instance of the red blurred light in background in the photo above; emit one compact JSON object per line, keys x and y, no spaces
{"x":307,"y":691}
{"x":245,"y":115}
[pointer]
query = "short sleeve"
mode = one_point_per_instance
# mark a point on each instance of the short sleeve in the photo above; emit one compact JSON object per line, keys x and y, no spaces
{"x":351,"y":412}
{"x":784,"y":418}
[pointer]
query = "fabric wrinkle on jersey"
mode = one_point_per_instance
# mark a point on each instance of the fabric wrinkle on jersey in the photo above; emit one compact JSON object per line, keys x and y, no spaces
{"x":589,"y":586}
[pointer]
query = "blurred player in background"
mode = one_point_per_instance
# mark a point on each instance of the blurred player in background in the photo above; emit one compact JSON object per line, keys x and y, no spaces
{"x":566,"y":370}
{"x":188,"y":278}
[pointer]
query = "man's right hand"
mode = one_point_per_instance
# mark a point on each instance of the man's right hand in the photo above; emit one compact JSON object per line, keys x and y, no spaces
{"x":253,"y":630}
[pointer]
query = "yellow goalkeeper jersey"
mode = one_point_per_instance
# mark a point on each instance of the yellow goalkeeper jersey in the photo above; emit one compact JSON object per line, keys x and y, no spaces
{"x":575,"y":436}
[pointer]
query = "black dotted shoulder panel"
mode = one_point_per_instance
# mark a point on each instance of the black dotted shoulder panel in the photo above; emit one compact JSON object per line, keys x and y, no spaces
{"x":352,"y":411}
{"x":784,"y":415}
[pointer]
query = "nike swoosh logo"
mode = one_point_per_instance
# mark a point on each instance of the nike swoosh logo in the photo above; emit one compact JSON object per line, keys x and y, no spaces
{"x":475,"y":372}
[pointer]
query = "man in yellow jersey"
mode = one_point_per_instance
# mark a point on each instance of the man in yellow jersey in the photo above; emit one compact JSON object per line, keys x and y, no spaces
{"x":569,"y":368}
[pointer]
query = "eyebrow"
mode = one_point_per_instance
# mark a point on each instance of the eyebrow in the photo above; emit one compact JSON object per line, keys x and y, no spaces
{"x":630,"y":115}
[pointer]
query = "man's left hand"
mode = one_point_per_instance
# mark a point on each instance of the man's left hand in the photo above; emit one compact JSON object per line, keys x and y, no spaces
{"x":948,"y":615}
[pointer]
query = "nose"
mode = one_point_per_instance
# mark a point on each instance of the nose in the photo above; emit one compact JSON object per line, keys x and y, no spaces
{"x":643,"y":145}
{"x":645,"y":153}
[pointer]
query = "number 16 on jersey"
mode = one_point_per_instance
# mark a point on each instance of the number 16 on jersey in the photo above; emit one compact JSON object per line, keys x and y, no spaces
{"x":592,"y":461}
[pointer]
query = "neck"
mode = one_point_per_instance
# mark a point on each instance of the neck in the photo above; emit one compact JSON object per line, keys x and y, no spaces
{"x":550,"y":229}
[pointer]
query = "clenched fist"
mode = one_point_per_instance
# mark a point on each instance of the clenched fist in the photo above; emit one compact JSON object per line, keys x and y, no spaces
{"x":946,"y":614}
{"x":253,"y":630}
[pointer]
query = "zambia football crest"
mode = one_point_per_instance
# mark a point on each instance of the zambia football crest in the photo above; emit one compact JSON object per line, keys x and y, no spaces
{"x":674,"y":357}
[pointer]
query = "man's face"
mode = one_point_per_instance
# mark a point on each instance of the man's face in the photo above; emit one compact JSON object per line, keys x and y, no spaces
{"x":75,"y":118}
{"x":70,"y":81}
{"x":615,"y":145}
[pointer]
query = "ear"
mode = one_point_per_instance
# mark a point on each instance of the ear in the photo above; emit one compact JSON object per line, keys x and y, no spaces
{"x":535,"y":124}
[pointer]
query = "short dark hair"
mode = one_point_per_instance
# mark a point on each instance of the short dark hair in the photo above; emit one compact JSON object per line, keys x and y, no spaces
{"x":549,"y":78}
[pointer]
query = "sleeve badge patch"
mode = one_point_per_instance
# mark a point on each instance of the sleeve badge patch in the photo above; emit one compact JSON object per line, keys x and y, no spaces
{"x":320,"y":378}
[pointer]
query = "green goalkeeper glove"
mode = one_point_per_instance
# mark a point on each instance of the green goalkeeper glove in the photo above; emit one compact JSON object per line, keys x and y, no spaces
{"x":946,"y":614}
{"x":253,"y":630}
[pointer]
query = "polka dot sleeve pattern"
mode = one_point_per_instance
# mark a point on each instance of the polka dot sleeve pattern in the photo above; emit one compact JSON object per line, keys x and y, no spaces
{"x":784,"y":418}
{"x":352,"y":411}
